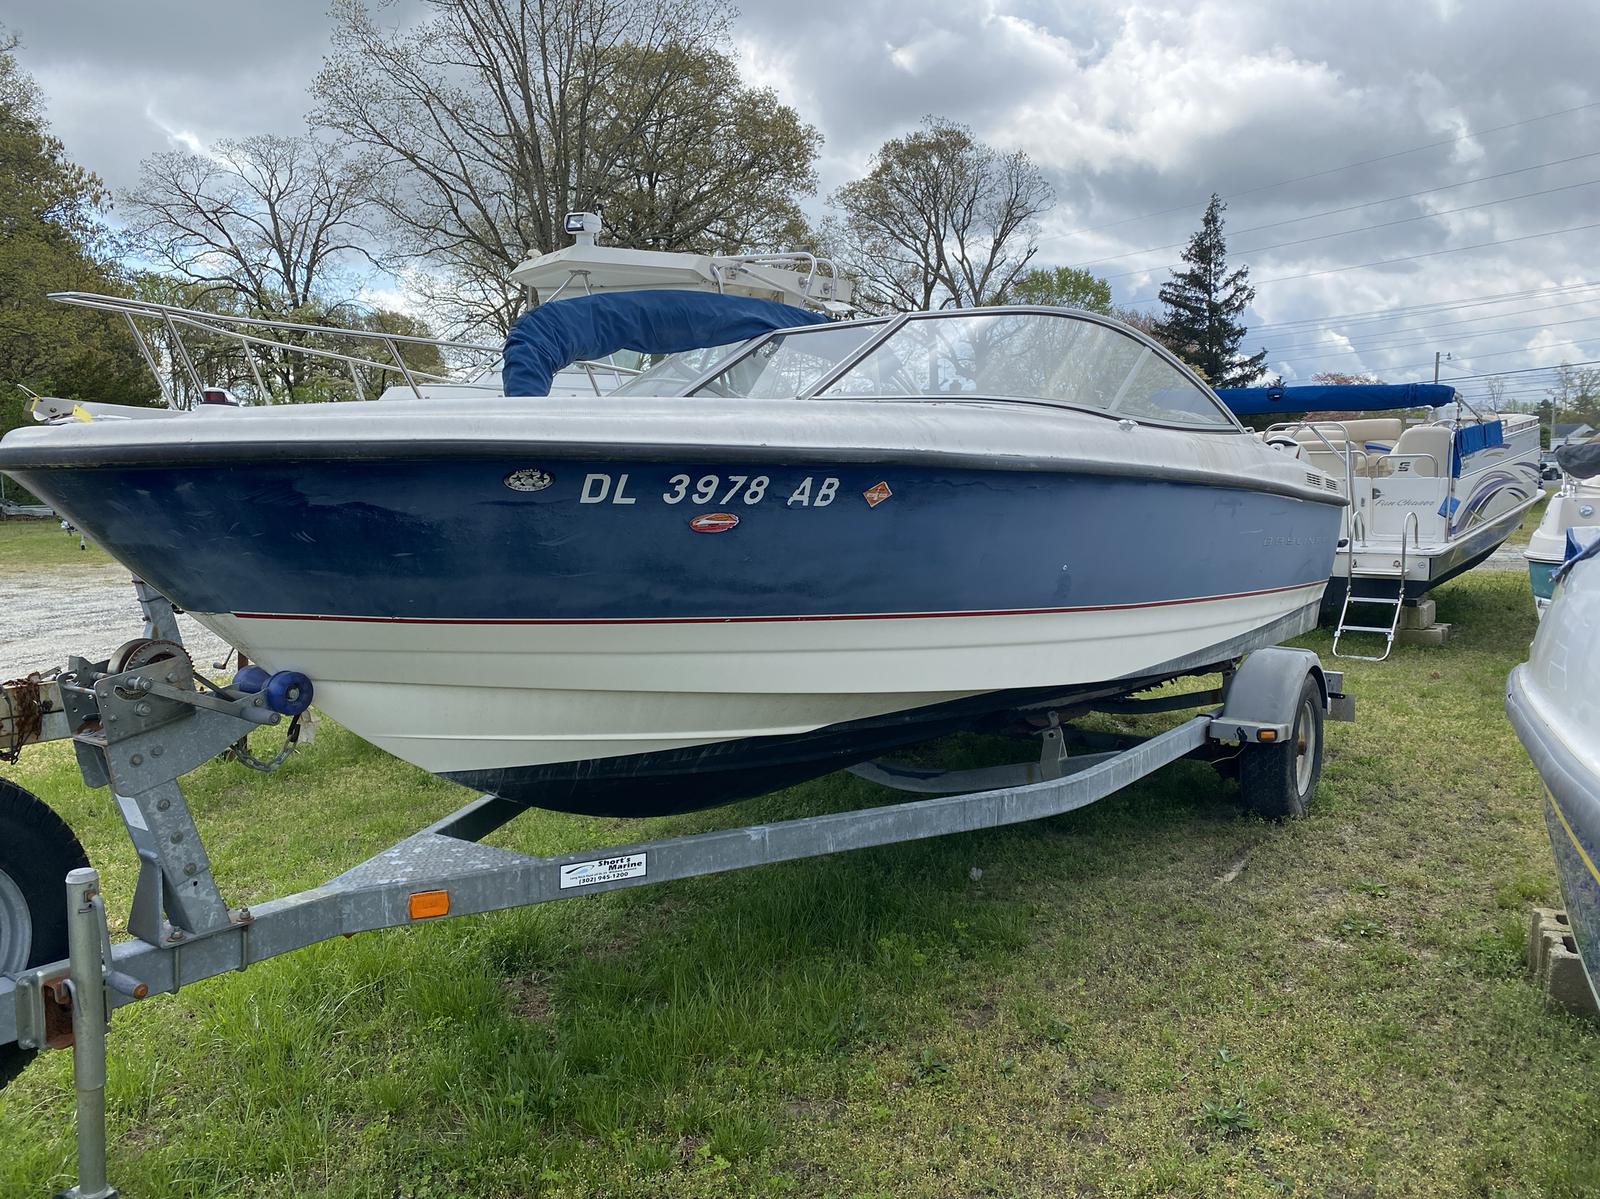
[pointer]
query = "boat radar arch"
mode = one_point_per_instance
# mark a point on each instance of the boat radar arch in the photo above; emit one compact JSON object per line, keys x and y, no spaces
{"x":584,"y":268}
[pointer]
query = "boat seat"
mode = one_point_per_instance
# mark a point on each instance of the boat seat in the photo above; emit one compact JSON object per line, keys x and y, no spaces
{"x":1426,"y":439}
{"x":1385,"y":430}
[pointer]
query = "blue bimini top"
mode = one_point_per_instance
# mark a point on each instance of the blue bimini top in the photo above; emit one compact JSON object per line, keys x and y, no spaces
{"x":1335,"y":397}
{"x":661,"y":321}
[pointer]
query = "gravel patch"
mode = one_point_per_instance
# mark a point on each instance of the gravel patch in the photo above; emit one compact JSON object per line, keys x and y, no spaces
{"x":88,"y":610}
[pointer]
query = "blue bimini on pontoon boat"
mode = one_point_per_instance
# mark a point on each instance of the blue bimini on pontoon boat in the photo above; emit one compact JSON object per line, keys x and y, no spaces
{"x":1554,"y":703}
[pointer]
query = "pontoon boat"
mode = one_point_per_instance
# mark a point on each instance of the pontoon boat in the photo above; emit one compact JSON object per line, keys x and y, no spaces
{"x":1431,"y":496}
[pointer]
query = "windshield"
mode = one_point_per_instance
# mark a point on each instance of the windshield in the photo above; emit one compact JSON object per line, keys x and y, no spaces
{"x":1056,"y":358}
{"x":675,"y":372}
{"x":787,"y":364}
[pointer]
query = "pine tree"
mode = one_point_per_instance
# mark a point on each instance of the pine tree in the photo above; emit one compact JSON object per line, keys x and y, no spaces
{"x":1203,"y":302}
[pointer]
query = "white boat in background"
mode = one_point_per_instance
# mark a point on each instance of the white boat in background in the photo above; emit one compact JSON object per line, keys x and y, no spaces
{"x":1574,"y":504}
{"x":1430,"y":497}
{"x":1554,"y":706}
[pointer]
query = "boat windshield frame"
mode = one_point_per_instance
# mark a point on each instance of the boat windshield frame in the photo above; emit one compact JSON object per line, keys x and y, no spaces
{"x":746,"y":349}
{"x":1230,"y":424}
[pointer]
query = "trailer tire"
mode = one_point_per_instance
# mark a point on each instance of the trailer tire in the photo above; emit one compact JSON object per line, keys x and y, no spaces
{"x":37,"y":849}
{"x":1277,"y":781}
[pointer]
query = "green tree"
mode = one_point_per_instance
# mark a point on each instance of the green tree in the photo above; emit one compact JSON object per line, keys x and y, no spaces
{"x":721,"y":169}
{"x":52,"y":238}
{"x":1575,"y":397}
{"x":1059,"y":287}
{"x":1203,"y":303}
{"x":940,"y":220}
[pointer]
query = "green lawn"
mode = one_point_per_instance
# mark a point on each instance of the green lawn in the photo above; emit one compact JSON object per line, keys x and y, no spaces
{"x":34,"y":544}
{"x":1152,"y":997}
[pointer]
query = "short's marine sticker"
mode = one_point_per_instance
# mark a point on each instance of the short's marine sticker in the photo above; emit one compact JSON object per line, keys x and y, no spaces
{"x":876,"y":494}
{"x":529,"y":480}
{"x":605,"y":870}
{"x":714,"y":522}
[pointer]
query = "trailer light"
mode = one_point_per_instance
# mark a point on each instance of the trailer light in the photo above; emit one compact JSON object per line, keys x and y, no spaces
{"x":425,"y":905}
{"x":1268,"y":735}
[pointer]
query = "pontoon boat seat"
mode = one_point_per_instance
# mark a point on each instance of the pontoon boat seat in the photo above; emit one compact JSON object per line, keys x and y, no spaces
{"x":1426,"y":439}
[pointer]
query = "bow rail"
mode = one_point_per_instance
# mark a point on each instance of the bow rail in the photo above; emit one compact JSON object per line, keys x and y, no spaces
{"x":272,"y":343}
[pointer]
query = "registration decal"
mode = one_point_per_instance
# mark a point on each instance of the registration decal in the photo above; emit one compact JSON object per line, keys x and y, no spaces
{"x":876,"y":494}
{"x":714,"y":522}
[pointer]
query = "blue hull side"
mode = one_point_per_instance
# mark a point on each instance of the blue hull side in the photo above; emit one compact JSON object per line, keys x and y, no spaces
{"x":509,"y":539}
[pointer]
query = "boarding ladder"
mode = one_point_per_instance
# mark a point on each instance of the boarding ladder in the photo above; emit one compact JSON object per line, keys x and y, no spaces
{"x":1395,"y":603}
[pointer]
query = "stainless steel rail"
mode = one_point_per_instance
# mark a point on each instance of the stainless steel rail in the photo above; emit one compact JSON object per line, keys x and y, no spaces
{"x":242,"y":330}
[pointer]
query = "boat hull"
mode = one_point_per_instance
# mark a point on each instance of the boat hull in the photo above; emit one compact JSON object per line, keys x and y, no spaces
{"x":1555,"y":709}
{"x":512,"y":619}
{"x":1575,"y":504}
{"x":1427,"y":566}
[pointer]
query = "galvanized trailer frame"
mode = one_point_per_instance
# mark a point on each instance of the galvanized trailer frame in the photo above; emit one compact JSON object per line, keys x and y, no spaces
{"x":138,"y":730}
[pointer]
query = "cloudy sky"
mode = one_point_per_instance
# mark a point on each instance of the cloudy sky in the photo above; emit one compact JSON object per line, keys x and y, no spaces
{"x":1401,"y":177}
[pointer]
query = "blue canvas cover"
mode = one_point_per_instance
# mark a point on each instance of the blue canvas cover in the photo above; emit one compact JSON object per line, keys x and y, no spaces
{"x":1469,"y":439}
{"x":660,"y":321}
{"x":1335,"y":397}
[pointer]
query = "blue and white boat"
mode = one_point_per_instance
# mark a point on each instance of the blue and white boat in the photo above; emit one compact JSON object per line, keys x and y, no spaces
{"x":1554,"y":706}
{"x":753,"y":564}
{"x":1574,"y":504}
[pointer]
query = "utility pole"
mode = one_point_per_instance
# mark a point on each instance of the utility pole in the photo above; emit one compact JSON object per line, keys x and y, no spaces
{"x":1436,"y":366}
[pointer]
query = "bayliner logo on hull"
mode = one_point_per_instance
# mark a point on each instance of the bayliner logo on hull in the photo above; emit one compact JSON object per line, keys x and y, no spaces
{"x":714,"y":522}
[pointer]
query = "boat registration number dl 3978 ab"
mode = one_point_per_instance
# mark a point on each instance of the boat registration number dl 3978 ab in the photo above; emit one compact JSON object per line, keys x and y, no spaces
{"x":813,"y":491}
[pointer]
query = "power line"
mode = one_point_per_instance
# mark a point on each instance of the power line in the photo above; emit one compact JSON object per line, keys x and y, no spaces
{"x":1426,"y":216}
{"x":1361,"y":266}
{"x":1333,"y":170}
{"x":1413,"y":366}
{"x":1431,"y":307}
{"x":1525,"y":371}
{"x":1348,"y":208}
{"x":1473,"y":333}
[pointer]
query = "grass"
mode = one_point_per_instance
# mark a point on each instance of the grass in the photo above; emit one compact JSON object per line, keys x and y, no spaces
{"x":1092,"y":1011}
{"x":34,"y":544}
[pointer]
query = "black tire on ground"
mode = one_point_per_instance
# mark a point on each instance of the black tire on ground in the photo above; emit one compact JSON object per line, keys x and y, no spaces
{"x":37,"y":849}
{"x":1277,"y":781}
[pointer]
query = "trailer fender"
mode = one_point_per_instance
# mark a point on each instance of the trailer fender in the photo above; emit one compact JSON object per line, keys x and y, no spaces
{"x":1260,"y":701}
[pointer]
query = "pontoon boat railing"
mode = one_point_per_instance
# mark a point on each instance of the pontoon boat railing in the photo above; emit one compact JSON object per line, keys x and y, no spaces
{"x":231,"y":328}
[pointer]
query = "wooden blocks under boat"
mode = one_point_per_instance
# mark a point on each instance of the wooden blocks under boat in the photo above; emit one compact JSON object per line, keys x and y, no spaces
{"x":1554,"y":965}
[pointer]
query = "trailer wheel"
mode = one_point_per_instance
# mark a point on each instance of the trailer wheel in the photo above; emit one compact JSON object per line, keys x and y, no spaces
{"x":1277,"y":781}
{"x":37,"y":849}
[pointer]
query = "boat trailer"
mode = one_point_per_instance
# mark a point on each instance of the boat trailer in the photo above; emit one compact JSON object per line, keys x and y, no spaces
{"x":141,"y":719}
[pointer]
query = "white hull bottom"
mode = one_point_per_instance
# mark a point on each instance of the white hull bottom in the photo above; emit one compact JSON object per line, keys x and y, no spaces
{"x":453,"y":697}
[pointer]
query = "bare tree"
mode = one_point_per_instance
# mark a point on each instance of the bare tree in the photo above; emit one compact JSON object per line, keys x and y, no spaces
{"x":940,"y":219}
{"x":496,"y":117}
{"x":271,"y":219}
